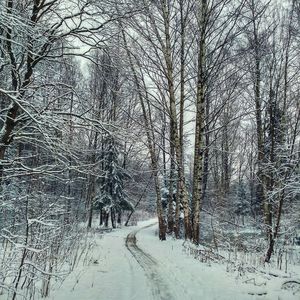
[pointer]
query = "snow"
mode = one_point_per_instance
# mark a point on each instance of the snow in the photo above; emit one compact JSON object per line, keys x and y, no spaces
{"x":161,"y":270}
{"x":110,"y":273}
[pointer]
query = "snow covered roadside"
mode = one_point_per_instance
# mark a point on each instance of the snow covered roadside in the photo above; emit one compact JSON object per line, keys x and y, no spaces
{"x":210,"y":281}
{"x":110,"y":273}
{"x":113,"y":273}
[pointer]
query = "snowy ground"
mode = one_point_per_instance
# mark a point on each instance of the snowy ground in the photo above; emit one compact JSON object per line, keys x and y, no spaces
{"x":131,"y":264}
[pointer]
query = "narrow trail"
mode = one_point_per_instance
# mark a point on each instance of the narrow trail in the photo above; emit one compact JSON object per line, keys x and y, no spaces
{"x":159,"y":287}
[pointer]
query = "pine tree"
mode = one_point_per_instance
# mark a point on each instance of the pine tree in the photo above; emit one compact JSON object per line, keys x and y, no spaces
{"x":112,"y":196}
{"x":241,"y":200}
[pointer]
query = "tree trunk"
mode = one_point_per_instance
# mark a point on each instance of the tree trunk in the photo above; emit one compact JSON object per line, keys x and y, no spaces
{"x":206,"y":154}
{"x":173,"y":122}
{"x":171,"y":187}
{"x":106,"y":218}
{"x":200,"y":117}
{"x":119,"y":220}
{"x":113,"y":217}
{"x":181,"y":111}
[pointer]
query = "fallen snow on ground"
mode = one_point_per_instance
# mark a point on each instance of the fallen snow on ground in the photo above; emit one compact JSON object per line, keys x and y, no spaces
{"x":149,"y":269}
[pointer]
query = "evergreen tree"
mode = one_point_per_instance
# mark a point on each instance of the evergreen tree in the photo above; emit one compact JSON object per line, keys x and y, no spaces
{"x":241,"y":200}
{"x":112,"y":196}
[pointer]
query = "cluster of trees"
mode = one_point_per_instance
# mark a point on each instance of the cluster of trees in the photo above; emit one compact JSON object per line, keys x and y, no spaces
{"x":65,"y":110}
{"x":230,"y":69}
{"x":98,"y":99}
{"x":222,"y":76}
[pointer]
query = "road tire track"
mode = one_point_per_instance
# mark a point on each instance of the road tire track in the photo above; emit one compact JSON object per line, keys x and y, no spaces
{"x":159,"y":288}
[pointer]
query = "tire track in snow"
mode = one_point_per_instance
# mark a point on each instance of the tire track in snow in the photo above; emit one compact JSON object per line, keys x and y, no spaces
{"x":160,"y":289}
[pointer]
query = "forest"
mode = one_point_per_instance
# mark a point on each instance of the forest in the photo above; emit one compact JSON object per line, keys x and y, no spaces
{"x":113,"y":111}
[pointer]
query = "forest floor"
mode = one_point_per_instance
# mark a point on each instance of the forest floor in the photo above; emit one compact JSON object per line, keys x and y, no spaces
{"x":131,"y":264}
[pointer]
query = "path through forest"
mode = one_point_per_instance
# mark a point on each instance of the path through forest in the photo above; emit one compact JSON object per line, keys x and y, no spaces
{"x":131,"y":264}
{"x":159,"y":288}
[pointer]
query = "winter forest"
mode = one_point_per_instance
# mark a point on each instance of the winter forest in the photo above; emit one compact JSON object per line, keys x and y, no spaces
{"x":182,"y":112}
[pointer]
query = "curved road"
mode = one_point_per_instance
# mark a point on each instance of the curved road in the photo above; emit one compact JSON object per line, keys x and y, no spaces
{"x":159,"y":288}
{"x":147,"y":269}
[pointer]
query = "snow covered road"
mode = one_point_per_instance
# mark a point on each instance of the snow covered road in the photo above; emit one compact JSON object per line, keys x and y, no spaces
{"x":131,"y":264}
{"x":160,"y":289}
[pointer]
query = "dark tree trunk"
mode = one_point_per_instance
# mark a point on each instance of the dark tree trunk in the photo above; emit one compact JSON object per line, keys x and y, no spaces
{"x":106,"y":218}
{"x":113,"y":217}
{"x":90,"y":217}
{"x":101,"y":217}
{"x":270,"y":250}
{"x":119,"y":218}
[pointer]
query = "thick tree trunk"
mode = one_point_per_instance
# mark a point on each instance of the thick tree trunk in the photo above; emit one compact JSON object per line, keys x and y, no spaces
{"x":113,"y":217}
{"x":200,"y":117}
{"x":181,"y":111}
{"x":119,"y":220}
{"x":106,"y":218}
{"x":177,"y":213}
{"x":171,"y":187}
{"x":90,"y":216}
{"x":101,"y":217}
